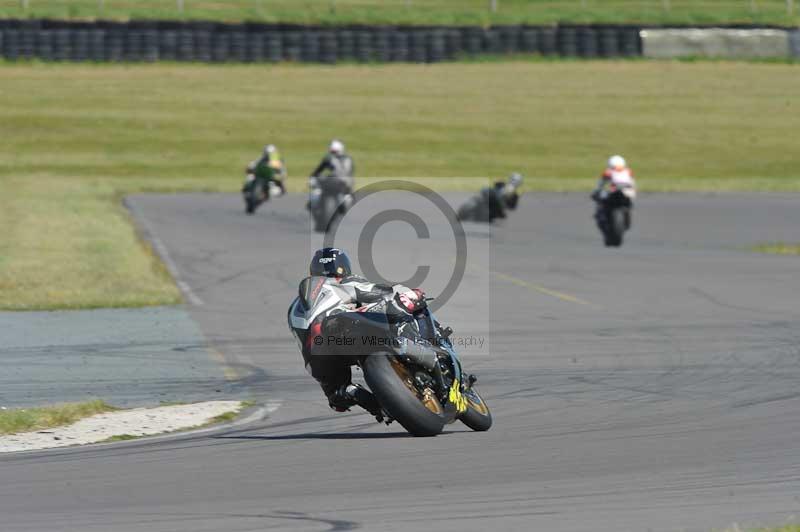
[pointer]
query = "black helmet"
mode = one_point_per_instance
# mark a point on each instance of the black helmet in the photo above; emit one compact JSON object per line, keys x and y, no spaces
{"x":330,"y":262}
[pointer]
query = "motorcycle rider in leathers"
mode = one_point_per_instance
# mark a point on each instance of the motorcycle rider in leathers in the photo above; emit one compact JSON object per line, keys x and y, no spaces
{"x":334,"y":376}
{"x":617,"y":175}
{"x":269,"y":167}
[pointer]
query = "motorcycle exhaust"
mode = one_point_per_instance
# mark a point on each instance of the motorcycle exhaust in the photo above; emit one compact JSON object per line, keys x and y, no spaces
{"x":421,"y":354}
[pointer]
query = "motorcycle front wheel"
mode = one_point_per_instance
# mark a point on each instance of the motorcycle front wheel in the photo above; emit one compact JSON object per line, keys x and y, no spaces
{"x":477,"y":417}
{"x":617,"y":226}
{"x":392,"y":383}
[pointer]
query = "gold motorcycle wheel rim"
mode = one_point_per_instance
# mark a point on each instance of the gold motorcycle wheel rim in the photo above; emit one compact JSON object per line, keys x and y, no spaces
{"x":427,"y":397}
{"x":476,"y":402}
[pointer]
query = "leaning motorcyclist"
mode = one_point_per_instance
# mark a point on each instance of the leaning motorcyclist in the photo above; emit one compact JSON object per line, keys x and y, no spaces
{"x":334,"y":375}
{"x":499,"y":197}
{"x":269,"y":167}
{"x":506,"y":195}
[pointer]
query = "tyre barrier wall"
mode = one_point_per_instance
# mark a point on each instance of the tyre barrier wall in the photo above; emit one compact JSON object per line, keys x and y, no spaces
{"x":51,"y":40}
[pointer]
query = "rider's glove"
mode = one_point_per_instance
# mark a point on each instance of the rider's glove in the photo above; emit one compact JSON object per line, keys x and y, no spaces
{"x":411,"y":300}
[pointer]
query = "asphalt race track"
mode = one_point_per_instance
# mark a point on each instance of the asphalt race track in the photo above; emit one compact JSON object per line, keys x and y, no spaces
{"x":652,"y":387}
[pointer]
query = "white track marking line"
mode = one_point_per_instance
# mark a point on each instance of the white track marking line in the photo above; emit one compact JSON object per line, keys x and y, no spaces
{"x":163,"y":253}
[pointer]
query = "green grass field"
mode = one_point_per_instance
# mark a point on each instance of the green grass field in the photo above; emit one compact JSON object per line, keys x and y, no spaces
{"x":419,"y":11}
{"x":29,"y":419}
{"x":76,"y":138}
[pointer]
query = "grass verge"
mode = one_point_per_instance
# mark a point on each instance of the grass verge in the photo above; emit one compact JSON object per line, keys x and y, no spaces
{"x":418,"y":11}
{"x":778,"y":248}
{"x":14,"y":421}
{"x":76,"y":138}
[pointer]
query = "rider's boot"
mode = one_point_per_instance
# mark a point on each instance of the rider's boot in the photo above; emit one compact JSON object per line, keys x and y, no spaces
{"x":353,"y":394}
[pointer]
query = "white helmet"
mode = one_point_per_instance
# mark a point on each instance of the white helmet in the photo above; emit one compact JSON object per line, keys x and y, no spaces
{"x":515,"y":179}
{"x":617,"y":162}
{"x":336,"y":147}
{"x":269,"y":149}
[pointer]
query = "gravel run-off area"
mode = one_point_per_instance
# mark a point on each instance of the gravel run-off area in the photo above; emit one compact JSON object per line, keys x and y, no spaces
{"x":136,"y":423}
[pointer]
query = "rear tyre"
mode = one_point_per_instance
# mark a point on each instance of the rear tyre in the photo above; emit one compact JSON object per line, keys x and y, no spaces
{"x":390,"y":382}
{"x":477,"y":417}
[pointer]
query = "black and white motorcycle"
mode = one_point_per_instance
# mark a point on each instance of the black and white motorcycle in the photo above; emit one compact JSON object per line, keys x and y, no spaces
{"x":409,"y":363}
{"x":614,"y":213}
{"x":328,"y":198}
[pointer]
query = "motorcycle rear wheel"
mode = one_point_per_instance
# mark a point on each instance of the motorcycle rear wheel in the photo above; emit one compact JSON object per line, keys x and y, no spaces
{"x":421,"y":414}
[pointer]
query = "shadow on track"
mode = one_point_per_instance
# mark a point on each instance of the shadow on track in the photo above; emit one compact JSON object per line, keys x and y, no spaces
{"x":330,"y":436}
{"x":312,"y":436}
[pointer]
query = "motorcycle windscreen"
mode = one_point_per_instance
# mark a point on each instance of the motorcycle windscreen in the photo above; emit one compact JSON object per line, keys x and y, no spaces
{"x":310,"y":290}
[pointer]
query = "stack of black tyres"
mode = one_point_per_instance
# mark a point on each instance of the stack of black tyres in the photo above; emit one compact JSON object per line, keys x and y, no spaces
{"x":80,"y":45}
{"x":587,"y":42}
{"x":609,"y":42}
{"x":794,"y":43}
{"x":273,"y":46}
{"x":328,"y":47}
{"x":44,"y":45}
{"x":437,"y":46}
{"x":115,"y":42}
{"x":238,"y":46}
{"x":567,"y":41}
{"x":221,"y":48}
{"x":454,"y":44}
{"x":417,"y":46}
{"x":548,"y":44}
{"x":27,"y":42}
{"x":630,"y":42}
{"x":492,"y":42}
{"x":185,"y":48}
{"x":97,"y":45}
{"x":11,"y":44}
{"x":310,"y":52}
{"x":150,"y":44}
{"x":473,"y":41}
{"x":255,"y":46}
{"x":510,"y":39}
{"x":346,"y":45}
{"x":133,"y":44}
{"x":62,"y":44}
{"x":203,"y":42}
{"x":529,"y":40}
{"x":381,"y":45}
{"x":168,"y":45}
{"x":400,"y":43}
{"x":292,"y":45}
{"x":364,"y":46}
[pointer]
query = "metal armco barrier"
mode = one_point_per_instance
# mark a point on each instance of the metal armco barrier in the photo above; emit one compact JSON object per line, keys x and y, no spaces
{"x":148,"y":41}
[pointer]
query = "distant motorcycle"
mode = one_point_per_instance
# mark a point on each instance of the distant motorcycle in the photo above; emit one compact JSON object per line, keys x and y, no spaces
{"x":256,"y":191}
{"x":614,"y":213}
{"x":328,"y":197}
{"x":490,"y":204}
